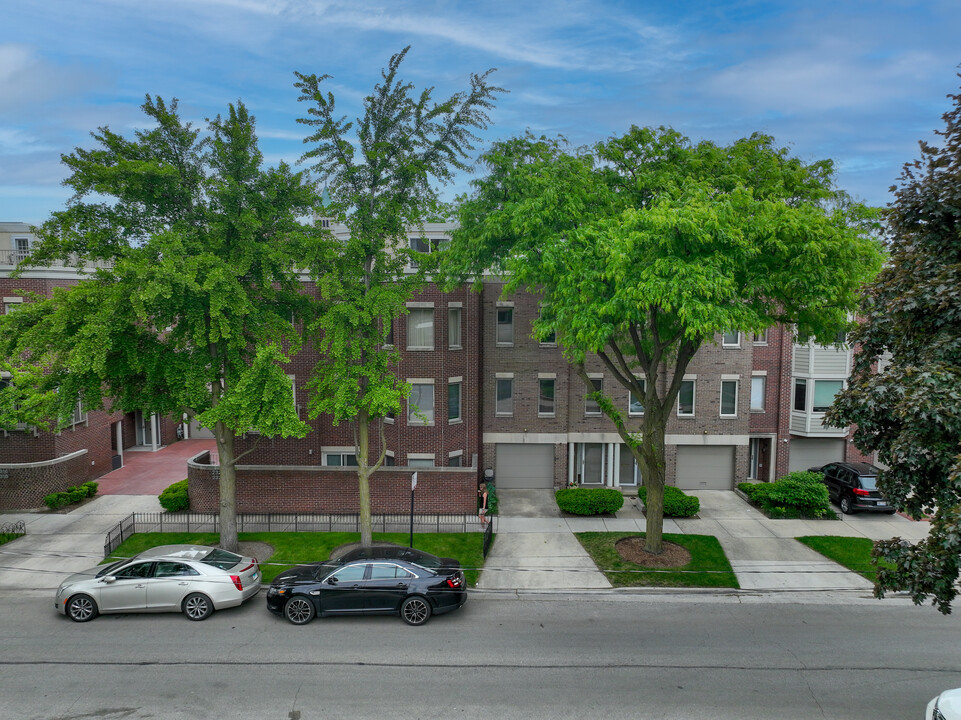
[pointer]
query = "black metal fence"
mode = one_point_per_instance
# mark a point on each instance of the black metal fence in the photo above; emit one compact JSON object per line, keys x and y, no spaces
{"x":278,"y":522}
{"x":488,"y":537}
{"x":14,"y":528}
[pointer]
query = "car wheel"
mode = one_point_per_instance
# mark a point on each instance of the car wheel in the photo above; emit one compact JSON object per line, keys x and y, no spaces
{"x":890,"y":512}
{"x":82,"y":608}
{"x":197,"y":606}
{"x":415,"y":610}
{"x":299,"y":610}
{"x":846,"y":505}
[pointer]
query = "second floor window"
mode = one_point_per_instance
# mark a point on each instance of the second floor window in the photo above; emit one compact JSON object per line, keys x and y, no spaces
{"x":420,"y":404}
{"x":504,"y":396}
{"x":420,"y":329}
{"x":545,"y":401}
{"x":685,"y":399}
{"x":591,"y":406}
{"x":728,"y":398}
{"x":453,"y":401}
{"x":453,"y":328}
{"x":505,"y":326}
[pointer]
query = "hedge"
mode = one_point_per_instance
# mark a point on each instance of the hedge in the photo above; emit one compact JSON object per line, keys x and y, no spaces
{"x":796,"y":495}
{"x":677,"y":503}
{"x":175,"y":498}
{"x":589,"y":501}
{"x":70,"y":496}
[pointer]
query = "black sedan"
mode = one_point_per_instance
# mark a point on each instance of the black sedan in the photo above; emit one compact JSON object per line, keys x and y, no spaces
{"x":375,"y":585}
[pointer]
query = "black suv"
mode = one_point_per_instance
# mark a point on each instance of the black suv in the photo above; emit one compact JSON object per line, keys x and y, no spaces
{"x":853,"y":485}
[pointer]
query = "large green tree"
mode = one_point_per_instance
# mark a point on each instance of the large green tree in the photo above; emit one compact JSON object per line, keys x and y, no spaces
{"x":188,"y":303}
{"x":382,"y":186}
{"x":645,"y":247}
{"x":905,"y":388}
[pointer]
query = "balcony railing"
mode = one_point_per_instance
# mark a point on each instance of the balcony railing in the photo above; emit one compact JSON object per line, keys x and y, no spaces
{"x":12,"y":258}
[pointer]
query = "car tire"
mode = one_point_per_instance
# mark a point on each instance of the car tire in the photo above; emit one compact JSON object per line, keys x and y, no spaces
{"x":197,"y":606}
{"x":890,"y":512}
{"x":415,"y":610}
{"x":82,"y":608}
{"x":299,"y":610}
{"x":846,"y":506}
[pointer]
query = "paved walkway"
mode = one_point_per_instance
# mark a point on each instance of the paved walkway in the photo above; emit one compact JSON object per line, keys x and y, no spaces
{"x":535,"y":547}
{"x":763,"y":552}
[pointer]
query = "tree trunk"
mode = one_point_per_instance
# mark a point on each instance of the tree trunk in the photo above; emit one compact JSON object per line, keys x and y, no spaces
{"x":650,"y":457}
{"x":363,"y":478}
{"x":228,"y":488}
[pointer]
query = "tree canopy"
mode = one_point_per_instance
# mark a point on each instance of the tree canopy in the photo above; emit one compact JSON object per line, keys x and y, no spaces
{"x":904,"y":393}
{"x":646,"y":246}
{"x":190,"y":292}
{"x":382,"y":186}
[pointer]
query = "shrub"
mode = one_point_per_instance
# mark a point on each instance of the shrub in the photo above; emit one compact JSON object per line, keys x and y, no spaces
{"x":677,"y":503}
{"x":589,"y":501}
{"x":174,"y":498}
{"x":71,"y":495}
{"x":491,"y":499}
{"x":797,"y":494}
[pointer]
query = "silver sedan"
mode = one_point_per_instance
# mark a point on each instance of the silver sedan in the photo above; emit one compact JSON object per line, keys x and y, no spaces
{"x":193,"y":579}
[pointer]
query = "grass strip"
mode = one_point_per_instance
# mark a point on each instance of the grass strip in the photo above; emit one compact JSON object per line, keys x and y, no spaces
{"x":854,"y":553}
{"x":296,"y":548}
{"x":708,"y":568}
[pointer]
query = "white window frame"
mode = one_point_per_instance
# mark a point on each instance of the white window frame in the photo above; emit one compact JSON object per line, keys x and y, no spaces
{"x":630,"y":395}
{"x":814,"y":393}
{"x":761,"y":337}
{"x":420,"y":460}
{"x":728,"y":381}
{"x":692,"y":379}
{"x":419,"y":310}
{"x":552,"y":378}
{"x":341,"y":453}
{"x":412,"y":418}
{"x":598,"y":387}
{"x":455,"y":455}
{"x":736,"y":343}
{"x":455,"y":343}
{"x":763,"y":393}
{"x":500,"y":378}
{"x":506,"y":307}
{"x":11,"y":303}
{"x":459,"y":383}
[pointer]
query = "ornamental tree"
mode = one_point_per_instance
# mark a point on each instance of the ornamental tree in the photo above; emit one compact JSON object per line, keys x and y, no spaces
{"x":904,"y":393}
{"x":382,"y":185}
{"x":190,"y":289}
{"x":647,"y":246}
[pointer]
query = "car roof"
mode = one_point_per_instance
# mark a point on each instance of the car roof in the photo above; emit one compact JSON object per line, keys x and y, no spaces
{"x":860,"y":468}
{"x":183,"y":552}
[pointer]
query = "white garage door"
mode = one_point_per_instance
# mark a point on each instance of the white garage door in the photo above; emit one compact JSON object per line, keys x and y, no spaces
{"x":810,"y":452}
{"x":524,"y":466}
{"x":705,"y":467}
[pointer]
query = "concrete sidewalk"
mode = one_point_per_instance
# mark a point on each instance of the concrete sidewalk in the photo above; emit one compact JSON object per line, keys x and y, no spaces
{"x":763,"y":552}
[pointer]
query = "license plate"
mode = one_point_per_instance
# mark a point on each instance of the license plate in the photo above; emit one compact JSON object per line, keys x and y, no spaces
{"x":254,"y":576}
{"x":881,"y":503}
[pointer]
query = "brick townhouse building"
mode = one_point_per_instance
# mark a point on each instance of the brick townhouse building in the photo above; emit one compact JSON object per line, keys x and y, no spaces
{"x":487,"y":397}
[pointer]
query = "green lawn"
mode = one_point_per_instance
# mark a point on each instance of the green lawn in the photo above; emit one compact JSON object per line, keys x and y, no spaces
{"x":852,"y":552}
{"x":294,"y":548}
{"x":708,"y":567}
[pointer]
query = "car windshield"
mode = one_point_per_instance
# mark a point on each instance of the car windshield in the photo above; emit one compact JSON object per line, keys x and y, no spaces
{"x":221,"y":559}
{"x":869,"y":482}
{"x":110,"y":568}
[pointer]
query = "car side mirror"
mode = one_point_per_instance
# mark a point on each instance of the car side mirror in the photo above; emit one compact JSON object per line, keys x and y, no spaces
{"x":109,"y":579}
{"x":332,"y":580}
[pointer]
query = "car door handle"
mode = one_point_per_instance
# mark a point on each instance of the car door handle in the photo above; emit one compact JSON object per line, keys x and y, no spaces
{"x":141,"y":585}
{"x":402,"y":585}
{"x":182,"y":583}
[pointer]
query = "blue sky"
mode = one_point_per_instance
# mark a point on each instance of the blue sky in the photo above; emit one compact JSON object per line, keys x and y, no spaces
{"x":859,"y":82}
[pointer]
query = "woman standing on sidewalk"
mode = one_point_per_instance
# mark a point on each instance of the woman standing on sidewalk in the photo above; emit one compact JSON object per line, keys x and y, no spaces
{"x":482,"y":503}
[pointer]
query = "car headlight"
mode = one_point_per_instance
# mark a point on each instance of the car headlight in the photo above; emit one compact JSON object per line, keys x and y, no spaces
{"x":936,"y":713}
{"x":273,"y":590}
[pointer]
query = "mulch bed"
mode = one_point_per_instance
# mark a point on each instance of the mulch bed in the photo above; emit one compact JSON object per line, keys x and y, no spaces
{"x":632,"y":550}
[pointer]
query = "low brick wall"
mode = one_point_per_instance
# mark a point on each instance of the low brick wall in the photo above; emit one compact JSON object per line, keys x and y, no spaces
{"x":309,"y":489}
{"x":24,"y":485}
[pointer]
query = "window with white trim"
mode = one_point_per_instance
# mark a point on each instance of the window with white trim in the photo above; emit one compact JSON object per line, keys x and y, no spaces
{"x":800,"y":394}
{"x":420,"y":404}
{"x":545,"y":397}
{"x":728,"y":398}
{"x":455,"y":459}
{"x":340,"y":459}
{"x":824,"y":392}
{"x":420,"y":459}
{"x":454,"y":400}
{"x":635,"y":405}
{"x":731,"y":339}
{"x":504,"y":395}
{"x":685,"y":399}
{"x":505,"y":326}
{"x":420,"y":328}
{"x":592,"y":406}
{"x":758,"y":387}
{"x":454,"y":327}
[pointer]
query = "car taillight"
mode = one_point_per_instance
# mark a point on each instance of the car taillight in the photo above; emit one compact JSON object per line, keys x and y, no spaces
{"x":455,"y":582}
{"x":237,"y":584}
{"x":249,"y":566}
{"x":860,"y":491}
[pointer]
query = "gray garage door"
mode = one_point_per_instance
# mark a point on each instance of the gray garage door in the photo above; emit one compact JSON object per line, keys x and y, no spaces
{"x":524,"y":466}
{"x":809,"y":452}
{"x":705,"y":467}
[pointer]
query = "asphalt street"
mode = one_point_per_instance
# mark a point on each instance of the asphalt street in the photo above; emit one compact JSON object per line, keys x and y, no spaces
{"x":550,"y":655}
